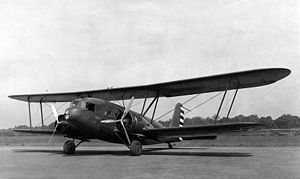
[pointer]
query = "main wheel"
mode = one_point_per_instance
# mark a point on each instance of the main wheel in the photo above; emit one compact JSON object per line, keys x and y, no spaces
{"x":170,"y":146}
{"x":69,"y":147}
{"x":136,"y":148}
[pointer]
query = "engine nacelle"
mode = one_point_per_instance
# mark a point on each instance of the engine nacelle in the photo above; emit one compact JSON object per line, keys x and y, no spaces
{"x":61,"y":118}
{"x":61,"y":127}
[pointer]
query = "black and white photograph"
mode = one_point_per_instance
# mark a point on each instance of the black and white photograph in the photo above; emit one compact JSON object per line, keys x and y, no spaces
{"x":149,"y":89}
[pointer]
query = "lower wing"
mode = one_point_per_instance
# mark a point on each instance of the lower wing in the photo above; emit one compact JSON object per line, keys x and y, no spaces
{"x":37,"y":131}
{"x":198,"y":131}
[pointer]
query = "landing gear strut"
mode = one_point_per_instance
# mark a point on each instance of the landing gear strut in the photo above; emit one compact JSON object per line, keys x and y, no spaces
{"x":70,"y":147}
{"x":136,"y":148}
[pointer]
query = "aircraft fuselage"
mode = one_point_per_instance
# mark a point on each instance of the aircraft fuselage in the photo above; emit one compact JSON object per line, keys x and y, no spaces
{"x":84,"y":118}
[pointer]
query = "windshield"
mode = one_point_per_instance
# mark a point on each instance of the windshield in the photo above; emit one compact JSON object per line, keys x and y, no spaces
{"x":82,"y":104}
{"x":74,"y":104}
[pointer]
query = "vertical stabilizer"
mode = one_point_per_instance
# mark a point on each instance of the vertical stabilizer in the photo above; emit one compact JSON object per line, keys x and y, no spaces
{"x":178,"y":116}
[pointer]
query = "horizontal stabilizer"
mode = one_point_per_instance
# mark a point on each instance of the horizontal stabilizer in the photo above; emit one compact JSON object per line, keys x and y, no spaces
{"x":200,"y":138}
{"x":197,"y":131}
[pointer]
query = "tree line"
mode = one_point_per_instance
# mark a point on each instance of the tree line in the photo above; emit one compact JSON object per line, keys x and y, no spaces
{"x":286,"y":121}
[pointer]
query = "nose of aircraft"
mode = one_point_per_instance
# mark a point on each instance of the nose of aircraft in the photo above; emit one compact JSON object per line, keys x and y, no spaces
{"x":72,"y":114}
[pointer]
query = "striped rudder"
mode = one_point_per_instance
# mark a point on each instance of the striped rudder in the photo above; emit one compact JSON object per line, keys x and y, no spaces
{"x":178,"y":116}
{"x":181,"y":118}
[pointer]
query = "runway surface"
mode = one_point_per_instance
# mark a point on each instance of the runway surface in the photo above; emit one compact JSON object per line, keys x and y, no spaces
{"x":115,"y":162}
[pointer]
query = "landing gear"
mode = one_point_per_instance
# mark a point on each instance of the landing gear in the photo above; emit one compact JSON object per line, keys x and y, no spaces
{"x":69,"y":147}
{"x":170,"y":146}
{"x":136,"y":148}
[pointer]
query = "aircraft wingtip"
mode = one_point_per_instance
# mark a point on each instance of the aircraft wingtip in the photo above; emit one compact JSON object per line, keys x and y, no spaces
{"x":285,"y":72}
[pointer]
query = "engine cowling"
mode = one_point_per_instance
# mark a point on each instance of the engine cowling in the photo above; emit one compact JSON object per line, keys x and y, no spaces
{"x":61,"y":118}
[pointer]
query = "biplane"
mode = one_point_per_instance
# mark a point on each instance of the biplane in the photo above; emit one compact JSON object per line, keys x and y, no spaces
{"x":94,"y":115}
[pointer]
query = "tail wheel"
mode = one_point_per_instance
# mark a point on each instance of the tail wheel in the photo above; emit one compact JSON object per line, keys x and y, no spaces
{"x":136,"y":148}
{"x":69,"y":147}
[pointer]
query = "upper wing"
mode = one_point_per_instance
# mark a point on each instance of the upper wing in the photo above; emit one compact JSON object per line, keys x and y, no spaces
{"x":244,"y":79}
{"x":197,"y":131}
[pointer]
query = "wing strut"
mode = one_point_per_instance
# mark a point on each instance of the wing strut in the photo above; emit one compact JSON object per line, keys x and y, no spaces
{"x":42,"y":115}
{"x":29,"y":112}
{"x":150,"y":105}
{"x":145,"y":100}
{"x":222,"y":102}
{"x":154,"y":109}
{"x":123,"y":101}
{"x":237,"y":89}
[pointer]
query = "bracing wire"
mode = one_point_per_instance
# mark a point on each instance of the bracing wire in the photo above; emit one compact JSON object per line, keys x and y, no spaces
{"x":137,"y":103}
{"x":190,"y":110}
{"x":191,"y":99}
{"x":37,"y":110}
{"x":174,"y":109}
{"x":51,"y":112}
{"x":264,"y":96}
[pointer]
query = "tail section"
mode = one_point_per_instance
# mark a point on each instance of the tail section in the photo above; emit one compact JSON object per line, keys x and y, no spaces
{"x":178,"y":116}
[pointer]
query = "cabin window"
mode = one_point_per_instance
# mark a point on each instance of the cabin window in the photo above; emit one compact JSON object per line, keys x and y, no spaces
{"x":90,"y":106}
{"x":107,"y":113}
{"x":112,"y":112}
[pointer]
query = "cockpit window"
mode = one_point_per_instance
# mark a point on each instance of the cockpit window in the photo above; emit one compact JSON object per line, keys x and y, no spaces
{"x":90,"y":106}
{"x":74,"y":104}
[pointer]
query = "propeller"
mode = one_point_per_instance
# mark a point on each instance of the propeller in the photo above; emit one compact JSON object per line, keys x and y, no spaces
{"x":127,"y":109}
{"x":55,"y":114}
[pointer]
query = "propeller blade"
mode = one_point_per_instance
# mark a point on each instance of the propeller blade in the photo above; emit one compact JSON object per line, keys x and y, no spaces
{"x":110,"y":121}
{"x":55,"y":114}
{"x":127,"y":109}
{"x":125,"y":132}
{"x":52,"y":134}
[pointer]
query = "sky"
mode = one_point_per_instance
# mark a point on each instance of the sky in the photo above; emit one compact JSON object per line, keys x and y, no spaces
{"x":73,"y":45}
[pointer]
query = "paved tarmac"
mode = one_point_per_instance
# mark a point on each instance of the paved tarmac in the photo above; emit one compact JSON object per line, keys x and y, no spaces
{"x":115,"y":162}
